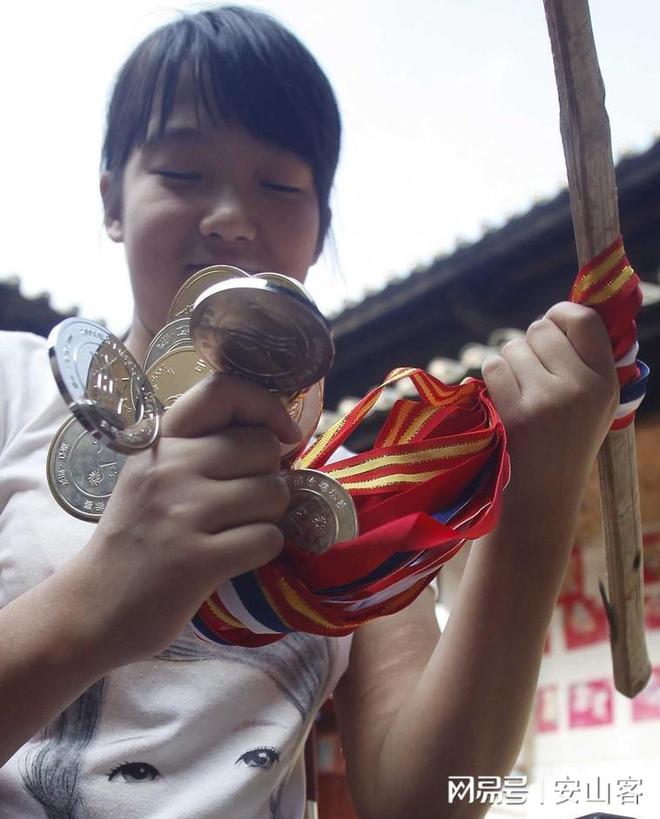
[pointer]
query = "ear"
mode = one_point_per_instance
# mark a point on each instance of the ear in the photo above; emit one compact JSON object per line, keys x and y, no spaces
{"x":111,"y":195}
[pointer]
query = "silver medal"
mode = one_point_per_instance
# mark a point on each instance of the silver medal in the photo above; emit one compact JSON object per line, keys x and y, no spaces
{"x":103,"y":385}
{"x":320,"y":512}
{"x":82,"y":470}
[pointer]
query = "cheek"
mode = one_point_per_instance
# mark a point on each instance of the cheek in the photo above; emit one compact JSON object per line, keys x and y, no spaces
{"x":297,"y":238}
{"x":153,"y":234}
{"x":154,"y":240}
{"x":155,"y":230}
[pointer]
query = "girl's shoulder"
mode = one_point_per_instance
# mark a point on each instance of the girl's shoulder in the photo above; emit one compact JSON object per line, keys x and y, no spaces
{"x":17,"y":351}
{"x":24,"y":365}
{"x":25,"y":377}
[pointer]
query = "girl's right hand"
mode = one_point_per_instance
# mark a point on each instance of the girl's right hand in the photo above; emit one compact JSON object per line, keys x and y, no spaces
{"x":197,"y":508}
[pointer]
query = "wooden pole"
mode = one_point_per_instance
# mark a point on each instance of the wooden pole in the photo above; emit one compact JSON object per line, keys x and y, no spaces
{"x":585,"y":132}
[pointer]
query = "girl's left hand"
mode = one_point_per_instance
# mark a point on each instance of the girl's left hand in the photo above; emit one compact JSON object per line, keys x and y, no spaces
{"x":556,"y":391}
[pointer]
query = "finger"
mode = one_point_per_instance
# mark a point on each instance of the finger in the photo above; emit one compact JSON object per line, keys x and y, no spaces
{"x":221,"y":400}
{"x":524,"y":364}
{"x":234,"y":452}
{"x":239,"y":502}
{"x":553,"y":348}
{"x":240,"y":550}
{"x":587,"y":333}
{"x":501,"y":381}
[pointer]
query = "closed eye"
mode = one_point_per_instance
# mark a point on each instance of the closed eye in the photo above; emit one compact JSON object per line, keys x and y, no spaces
{"x":188,"y":177}
{"x":277,"y":186}
{"x":263,"y":758}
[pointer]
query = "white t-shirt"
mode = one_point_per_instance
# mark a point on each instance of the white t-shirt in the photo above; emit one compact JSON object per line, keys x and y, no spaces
{"x":202,"y":730}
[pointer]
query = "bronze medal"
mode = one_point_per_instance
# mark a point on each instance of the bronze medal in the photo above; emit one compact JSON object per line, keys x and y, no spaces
{"x":262,"y":332}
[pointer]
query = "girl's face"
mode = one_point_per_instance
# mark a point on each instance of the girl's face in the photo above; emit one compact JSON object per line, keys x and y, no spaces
{"x":205,"y":194}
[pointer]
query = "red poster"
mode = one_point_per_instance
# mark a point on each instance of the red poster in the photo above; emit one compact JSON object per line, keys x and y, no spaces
{"x":546,"y":708}
{"x":585,"y":622}
{"x":652,"y":608}
{"x":651,"y":542}
{"x":590,"y":704}
{"x":646,"y":704}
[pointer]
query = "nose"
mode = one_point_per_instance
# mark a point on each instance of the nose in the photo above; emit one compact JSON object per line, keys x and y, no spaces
{"x":228,"y":218}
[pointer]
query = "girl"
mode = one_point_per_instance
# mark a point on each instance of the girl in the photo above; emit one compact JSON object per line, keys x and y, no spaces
{"x":221,"y":145}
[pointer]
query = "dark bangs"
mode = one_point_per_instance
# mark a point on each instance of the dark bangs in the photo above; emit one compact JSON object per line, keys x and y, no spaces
{"x":245,"y":68}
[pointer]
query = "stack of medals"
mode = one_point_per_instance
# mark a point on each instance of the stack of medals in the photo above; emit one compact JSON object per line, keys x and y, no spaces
{"x":265,"y":328}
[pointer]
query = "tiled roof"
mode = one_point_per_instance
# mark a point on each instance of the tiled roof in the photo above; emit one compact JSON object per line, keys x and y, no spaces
{"x":633,"y":170}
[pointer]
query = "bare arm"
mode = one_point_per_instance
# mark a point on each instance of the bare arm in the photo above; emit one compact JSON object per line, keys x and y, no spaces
{"x":412,"y":715}
{"x":467,"y":699}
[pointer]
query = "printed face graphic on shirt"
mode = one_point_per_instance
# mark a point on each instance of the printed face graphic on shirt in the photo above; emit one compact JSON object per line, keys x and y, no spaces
{"x":146,"y":742}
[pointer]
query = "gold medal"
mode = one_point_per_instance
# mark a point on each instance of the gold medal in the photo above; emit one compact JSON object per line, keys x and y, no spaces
{"x":175,"y":372}
{"x":111,"y":387}
{"x":192,"y":288}
{"x":174,"y":334}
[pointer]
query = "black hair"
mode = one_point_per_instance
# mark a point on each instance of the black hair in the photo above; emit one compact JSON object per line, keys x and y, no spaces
{"x":246,"y":68}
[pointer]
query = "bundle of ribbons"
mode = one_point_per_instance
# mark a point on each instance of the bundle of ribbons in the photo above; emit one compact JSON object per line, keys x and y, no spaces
{"x":433,"y":480}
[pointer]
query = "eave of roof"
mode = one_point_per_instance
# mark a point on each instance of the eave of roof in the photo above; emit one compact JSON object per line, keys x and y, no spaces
{"x":634,"y":174}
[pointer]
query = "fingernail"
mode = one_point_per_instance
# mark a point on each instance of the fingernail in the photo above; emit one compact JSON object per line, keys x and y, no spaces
{"x":489,"y":359}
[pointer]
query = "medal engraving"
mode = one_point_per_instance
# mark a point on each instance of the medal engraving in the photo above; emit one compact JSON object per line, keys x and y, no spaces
{"x":82,"y":470}
{"x":175,"y":373}
{"x":173,"y":335}
{"x":320,"y":513}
